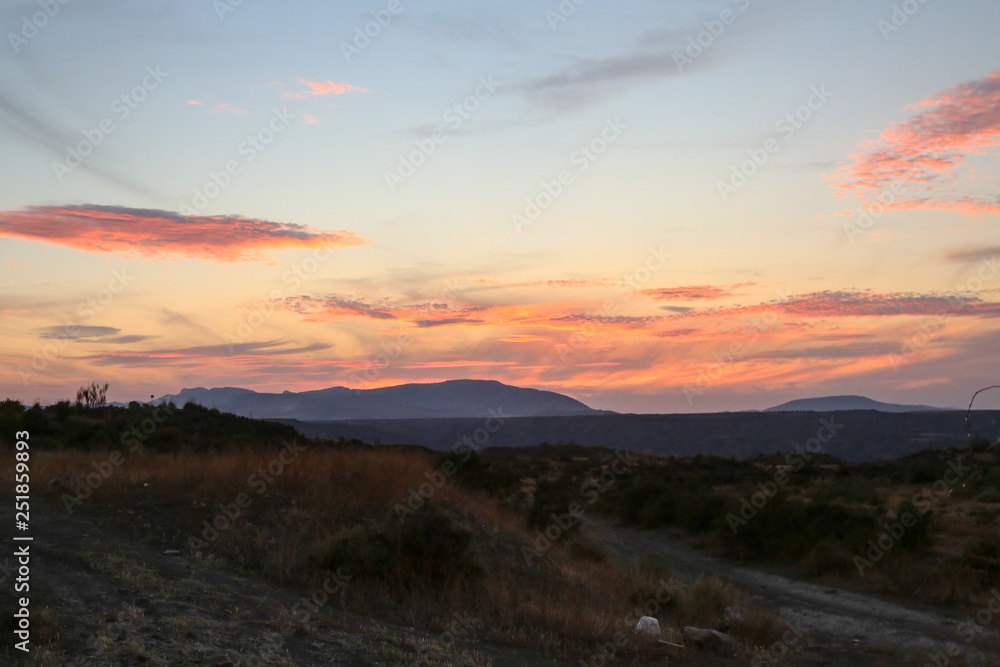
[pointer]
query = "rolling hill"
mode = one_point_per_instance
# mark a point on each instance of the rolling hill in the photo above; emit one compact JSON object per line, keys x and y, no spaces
{"x":450,"y":399}
{"x":838,"y":403}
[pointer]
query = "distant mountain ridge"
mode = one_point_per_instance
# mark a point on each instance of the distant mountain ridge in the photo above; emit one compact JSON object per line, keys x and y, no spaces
{"x":839,"y":403}
{"x":449,"y":399}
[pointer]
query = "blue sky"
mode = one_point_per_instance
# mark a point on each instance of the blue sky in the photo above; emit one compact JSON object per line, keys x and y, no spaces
{"x":309,"y":129}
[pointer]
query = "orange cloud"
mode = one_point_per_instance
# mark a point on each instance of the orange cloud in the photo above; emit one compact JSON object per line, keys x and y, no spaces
{"x":696,"y":292}
{"x":161,"y":234}
{"x":918,"y":160}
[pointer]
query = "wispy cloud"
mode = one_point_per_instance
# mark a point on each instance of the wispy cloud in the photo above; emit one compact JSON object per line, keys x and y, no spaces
{"x":336,"y":305}
{"x":973,"y":254}
{"x":76,"y":332}
{"x":223,"y":107}
{"x":865,"y":303}
{"x":697,"y":292}
{"x":446,"y":321}
{"x":621,"y":321}
{"x":314,"y":88}
{"x":197,"y":356}
{"x":928,"y":154}
{"x":160,"y":234}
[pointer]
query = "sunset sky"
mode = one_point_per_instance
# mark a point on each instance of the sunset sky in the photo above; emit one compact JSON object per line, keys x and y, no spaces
{"x":651,"y":206}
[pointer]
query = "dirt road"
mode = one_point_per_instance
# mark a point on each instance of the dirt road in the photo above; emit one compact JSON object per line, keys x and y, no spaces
{"x":830,"y":616}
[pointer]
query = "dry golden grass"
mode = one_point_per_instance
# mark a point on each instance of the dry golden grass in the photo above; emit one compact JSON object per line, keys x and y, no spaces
{"x":560,"y":604}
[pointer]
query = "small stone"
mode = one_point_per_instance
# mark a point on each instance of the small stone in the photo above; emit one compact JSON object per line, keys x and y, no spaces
{"x":648,"y":625}
{"x":731,"y":616}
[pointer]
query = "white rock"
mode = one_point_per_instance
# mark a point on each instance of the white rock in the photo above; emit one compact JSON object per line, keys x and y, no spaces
{"x":648,"y":625}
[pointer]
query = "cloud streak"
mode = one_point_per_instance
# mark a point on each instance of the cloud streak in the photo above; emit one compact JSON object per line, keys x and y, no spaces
{"x":158,"y":234}
{"x":696,"y":292}
{"x":844,"y":303}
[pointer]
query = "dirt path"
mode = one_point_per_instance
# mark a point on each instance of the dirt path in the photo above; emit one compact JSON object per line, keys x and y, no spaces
{"x":833,"y":616}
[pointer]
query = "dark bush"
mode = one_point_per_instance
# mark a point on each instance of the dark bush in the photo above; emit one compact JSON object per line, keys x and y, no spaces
{"x":787,"y":530}
{"x":428,"y":550}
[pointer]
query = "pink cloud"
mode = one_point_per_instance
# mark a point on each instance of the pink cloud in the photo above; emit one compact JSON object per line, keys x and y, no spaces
{"x":924,"y":157}
{"x":314,"y":88}
{"x":161,"y":234}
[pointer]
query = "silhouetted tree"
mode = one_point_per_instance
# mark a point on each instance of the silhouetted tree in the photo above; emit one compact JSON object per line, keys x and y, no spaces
{"x":93,"y":396}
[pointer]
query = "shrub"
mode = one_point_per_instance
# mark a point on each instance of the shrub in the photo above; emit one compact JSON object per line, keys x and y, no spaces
{"x":475,"y":473}
{"x":922,"y":471}
{"x":850,"y":490}
{"x":551,"y":498}
{"x":990,"y":495}
{"x":786,"y":530}
{"x":919,"y":536}
{"x":984,"y":556}
{"x":428,"y":550}
{"x":9,"y":405}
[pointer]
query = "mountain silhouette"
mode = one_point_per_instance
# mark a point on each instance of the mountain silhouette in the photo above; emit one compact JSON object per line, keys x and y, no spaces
{"x":453,"y":398}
